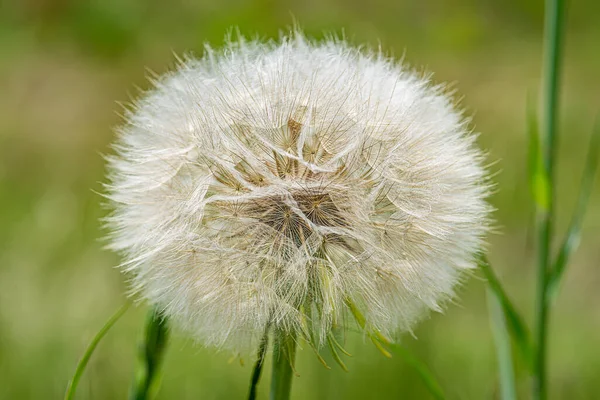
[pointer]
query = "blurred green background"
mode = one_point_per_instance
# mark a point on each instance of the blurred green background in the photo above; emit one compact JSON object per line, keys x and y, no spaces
{"x":65,"y":63}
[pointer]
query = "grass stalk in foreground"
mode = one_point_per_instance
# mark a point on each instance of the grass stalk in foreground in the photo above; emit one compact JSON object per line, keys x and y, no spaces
{"x":284,"y":355}
{"x":151,"y":354}
{"x":72,"y":386}
{"x":498,"y":322}
{"x":513,"y":320}
{"x":553,"y":27}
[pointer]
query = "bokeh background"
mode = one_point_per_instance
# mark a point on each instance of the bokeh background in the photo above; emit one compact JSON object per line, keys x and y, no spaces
{"x":64,"y":65}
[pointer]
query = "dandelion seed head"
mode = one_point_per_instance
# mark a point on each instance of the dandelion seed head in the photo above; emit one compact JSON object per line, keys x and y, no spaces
{"x":282,"y":184}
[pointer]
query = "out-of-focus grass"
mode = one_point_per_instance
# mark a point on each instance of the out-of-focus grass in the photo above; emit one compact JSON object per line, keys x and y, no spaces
{"x":64,"y":63}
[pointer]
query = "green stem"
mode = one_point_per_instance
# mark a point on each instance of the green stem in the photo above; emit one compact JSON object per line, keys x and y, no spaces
{"x":256,"y":372}
{"x":151,"y":354}
{"x":553,"y":35}
{"x":284,"y":355}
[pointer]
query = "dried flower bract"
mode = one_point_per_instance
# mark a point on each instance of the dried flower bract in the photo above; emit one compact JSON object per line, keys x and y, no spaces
{"x":299,"y":186}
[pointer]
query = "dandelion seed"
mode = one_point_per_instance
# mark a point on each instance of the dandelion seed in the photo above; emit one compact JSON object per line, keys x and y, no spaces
{"x":295,"y":185}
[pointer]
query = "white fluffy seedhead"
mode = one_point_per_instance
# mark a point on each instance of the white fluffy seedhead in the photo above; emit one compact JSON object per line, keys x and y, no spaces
{"x":299,"y":187}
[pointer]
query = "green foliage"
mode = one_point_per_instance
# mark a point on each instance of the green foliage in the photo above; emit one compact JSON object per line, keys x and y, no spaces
{"x":543,"y":149}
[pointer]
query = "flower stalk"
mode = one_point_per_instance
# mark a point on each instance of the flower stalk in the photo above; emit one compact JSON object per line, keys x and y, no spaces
{"x":257,"y":370}
{"x":151,"y":355}
{"x":284,"y":355}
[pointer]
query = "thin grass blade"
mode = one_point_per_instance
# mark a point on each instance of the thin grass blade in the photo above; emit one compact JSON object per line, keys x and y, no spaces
{"x":503,"y":347}
{"x":517,"y":328}
{"x":572,"y":237}
{"x":554,"y":28}
{"x":72,"y":386}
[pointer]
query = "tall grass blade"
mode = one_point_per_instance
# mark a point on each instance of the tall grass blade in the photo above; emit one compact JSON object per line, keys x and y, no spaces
{"x":150,"y":357}
{"x":72,"y":386}
{"x":571,"y":240}
{"x":515,"y":324}
{"x":553,"y":35}
{"x":503,"y":347}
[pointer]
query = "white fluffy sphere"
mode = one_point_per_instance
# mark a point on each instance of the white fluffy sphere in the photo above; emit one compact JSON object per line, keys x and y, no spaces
{"x":295,"y":186}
